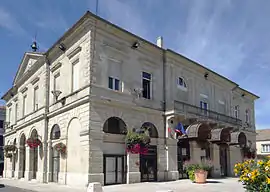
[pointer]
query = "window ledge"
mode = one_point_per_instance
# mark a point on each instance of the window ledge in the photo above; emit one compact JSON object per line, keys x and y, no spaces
{"x":181,"y":88}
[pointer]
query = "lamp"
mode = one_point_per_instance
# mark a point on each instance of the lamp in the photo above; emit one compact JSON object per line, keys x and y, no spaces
{"x":206,"y":75}
{"x":34,"y":46}
{"x":56,"y":94}
{"x":135,"y":45}
{"x":62,"y":47}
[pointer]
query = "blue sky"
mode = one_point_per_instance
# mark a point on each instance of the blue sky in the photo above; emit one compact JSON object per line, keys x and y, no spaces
{"x":230,"y":37}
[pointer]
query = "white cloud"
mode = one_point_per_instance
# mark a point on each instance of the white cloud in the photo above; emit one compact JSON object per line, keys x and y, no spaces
{"x":9,"y":22}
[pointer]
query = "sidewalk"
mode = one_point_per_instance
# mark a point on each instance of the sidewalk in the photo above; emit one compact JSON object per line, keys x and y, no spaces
{"x":216,"y":185}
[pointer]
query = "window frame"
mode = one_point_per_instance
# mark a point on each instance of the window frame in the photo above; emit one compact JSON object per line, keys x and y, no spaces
{"x":16,"y":112}
{"x":74,"y":63}
{"x":24,"y":105}
{"x":150,"y":84}
{"x":265,"y":148}
{"x":35,"y":98}
{"x":247,"y":116}
{"x":184,"y":84}
{"x":236,"y":111}
{"x":114,"y":79}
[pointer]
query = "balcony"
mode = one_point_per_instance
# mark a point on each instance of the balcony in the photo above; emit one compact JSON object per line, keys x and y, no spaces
{"x":181,"y":107}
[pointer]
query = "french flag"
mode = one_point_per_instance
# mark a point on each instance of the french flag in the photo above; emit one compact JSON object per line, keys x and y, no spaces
{"x":180,"y":129}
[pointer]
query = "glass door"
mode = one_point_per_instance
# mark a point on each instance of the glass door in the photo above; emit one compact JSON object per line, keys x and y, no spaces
{"x":148,"y":165}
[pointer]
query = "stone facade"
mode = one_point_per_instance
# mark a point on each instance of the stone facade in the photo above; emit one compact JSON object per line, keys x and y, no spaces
{"x":93,"y":76}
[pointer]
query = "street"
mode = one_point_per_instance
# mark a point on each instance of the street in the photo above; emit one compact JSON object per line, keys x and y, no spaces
{"x":6,"y":188}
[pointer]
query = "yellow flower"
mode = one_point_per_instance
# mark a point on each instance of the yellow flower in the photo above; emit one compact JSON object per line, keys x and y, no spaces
{"x":268,"y":180}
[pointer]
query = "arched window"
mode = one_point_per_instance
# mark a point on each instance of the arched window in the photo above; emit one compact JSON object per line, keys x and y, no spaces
{"x":151,"y":129}
{"x":115,"y":125}
{"x":55,"y":133}
{"x":181,"y":83}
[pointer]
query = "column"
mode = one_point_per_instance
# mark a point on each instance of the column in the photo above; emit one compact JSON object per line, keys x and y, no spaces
{"x":133,"y":168}
{"x":49,"y":160}
{"x":172,"y":160}
{"x":195,"y":152}
{"x":216,"y":172}
{"x":28,"y":165}
{"x":235,"y":157}
{"x":17,"y":165}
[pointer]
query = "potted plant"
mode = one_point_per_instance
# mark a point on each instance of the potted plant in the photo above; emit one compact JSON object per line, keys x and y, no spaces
{"x":137,"y":142}
{"x":8,"y":155}
{"x":197,"y":172}
{"x":33,"y":142}
{"x":61,"y":147}
{"x":10,"y":148}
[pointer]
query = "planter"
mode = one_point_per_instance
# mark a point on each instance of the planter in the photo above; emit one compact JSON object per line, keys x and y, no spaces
{"x":61,"y":148}
{"x":10,"y":148}
{"x":200,"y":176}
{"x":33,"y":143}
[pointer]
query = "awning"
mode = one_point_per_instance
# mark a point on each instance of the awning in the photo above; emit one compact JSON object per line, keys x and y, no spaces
{"x":220,"y":135}
{"x":199,"y":130}
{"x":238,"y":138}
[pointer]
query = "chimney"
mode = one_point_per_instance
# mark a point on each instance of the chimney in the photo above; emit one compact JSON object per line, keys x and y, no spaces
{"x":160,"y":42}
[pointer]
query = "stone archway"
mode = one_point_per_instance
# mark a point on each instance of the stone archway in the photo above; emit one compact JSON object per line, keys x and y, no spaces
{"x":74,"y":164}
{"x":55,"y":156}
{"x":14,"y":158}
{"x":22,"y":155}
{"x":33,"y":168}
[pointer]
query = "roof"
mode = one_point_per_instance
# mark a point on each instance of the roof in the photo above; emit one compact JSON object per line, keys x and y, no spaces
{"x":263,"y":135}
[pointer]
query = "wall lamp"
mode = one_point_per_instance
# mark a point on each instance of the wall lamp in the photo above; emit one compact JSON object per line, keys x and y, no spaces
{"x":206,"y":75}
{"x":135,"y":45}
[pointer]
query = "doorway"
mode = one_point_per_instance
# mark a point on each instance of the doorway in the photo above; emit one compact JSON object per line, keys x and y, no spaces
{"x":34,"y":159}
{"x":55,"y":165}
{"x":148,"y":165}
{"x":114,"y":169}
{"x":223,"y":152}
{"x":183,"y":154}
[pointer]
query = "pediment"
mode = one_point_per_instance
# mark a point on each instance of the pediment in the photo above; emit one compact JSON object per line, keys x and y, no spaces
{"x":28,"y":61}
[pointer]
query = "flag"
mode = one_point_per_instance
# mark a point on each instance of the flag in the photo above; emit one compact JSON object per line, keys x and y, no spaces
{"x":180,"y":129}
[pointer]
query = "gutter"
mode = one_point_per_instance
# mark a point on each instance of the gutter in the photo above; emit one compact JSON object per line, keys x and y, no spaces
{"x":164,"y":111}
{"x":46,"y":119}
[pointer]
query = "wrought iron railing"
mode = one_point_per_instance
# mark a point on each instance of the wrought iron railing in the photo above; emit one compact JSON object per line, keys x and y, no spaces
{"x":194,"y":110}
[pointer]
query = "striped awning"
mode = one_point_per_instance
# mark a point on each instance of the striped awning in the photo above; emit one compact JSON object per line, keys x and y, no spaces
{"x":238,"y":138}
{"x":220,"y":135}
{"x":199,"y":130}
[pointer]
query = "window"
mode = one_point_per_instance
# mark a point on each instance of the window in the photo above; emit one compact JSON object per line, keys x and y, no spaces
{"x":114,"y":84}
{"x":204,"y":106}
{"x":16,"y":112}
{"x":236,"y":111}
{"x":265,"y":148}
{"x":75,"y":75}
{"x":146,"y":85}
{"x":56,"y":82}
{"x":35,"y":103}
{"x":9,"y":114}
{"x":247,"y":116}
{"x":181,"y":83}
{"x":24,"y":105}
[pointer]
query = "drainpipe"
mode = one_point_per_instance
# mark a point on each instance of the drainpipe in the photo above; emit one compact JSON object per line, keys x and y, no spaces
{"x":46,"y":119}
{"x":160,"y":44}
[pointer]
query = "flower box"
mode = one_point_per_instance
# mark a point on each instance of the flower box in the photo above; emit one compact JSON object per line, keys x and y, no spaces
{"x":61,"y":148}
{"x":10,"y":148}
{"x":33,"y":142}
{"x":137,"y":143}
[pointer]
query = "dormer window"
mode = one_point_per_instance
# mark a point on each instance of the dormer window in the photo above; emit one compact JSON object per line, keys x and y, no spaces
{"x":181,"y":83}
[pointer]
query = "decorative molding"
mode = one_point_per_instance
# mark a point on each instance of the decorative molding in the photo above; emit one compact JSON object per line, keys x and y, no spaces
{"x":204,"y":96}
{"x":221,"y":102}
{"x":55,"y":67}
{"x":24,"y":90}
{"x":74,"y":52}
{"x":35,"y":80}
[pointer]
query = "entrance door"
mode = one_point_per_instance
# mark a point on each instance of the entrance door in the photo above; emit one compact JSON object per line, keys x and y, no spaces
{"x":148,"y":165}
{"x":55,"y":165}
{"x":114,"y":169}
{"x":183,"y":154}
{"x":223,"y":160}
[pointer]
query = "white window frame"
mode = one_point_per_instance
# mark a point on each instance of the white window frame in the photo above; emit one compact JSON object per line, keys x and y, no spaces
{"x":151,"y":84}
{"x":247,"y":116}
{"x":9,"y":114}
{"x":75,"y":62}
{"x":113,"y":84}
{"x":35,"y":101}
{"x":24,"y":105}
{"x":236,"y":111}
{"x":265,"y":148}
{"x":182,"y":87}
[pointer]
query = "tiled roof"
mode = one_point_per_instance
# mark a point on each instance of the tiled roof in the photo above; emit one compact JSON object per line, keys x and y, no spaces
{"x":263,"y":135}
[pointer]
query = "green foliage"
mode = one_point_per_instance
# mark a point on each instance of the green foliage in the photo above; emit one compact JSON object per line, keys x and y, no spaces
{"x":133,"y":138}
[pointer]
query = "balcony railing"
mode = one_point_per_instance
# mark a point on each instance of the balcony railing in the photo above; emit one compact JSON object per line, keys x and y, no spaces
{"x":194,"y":110}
